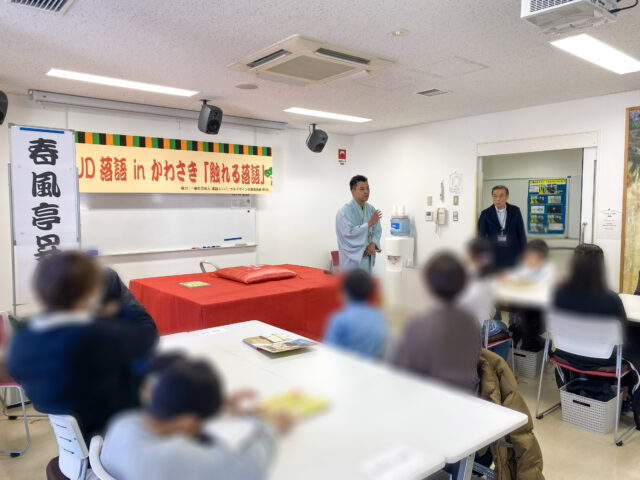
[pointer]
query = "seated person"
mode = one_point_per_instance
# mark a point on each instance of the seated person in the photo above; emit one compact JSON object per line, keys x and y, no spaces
{"x":535,"y":267}
{"x":119,"y":303}
{"x":443,"y":344}
{"x":165,"y":439}
{"x":477,"y":298}
{"x":117,"y":300}
{"x":535,"y":270}
{"x":585,"y":292}
{"x":359,"y":326}
{"x":69,"y":361}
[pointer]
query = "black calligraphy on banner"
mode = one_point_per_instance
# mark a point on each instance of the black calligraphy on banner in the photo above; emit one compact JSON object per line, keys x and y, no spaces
{"x":44,"y":151}
{"x":45,"y":215}
{"x":45,"y":185}
{"x":47,"y":244}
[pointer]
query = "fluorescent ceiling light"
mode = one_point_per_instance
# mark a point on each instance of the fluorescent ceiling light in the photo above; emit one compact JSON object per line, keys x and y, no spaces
{"x":595,"y":51}
{"x":116,"y":82}
{"x":321,"y":114}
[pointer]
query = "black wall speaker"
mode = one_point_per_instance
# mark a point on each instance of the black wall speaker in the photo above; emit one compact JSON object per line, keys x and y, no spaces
{"x":4,"y":104}
{"x":210,"y":118}
{"x":317,"y":139}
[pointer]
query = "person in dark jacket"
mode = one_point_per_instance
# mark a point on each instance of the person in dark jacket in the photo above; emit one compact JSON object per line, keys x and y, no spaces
{"x":585,"y":292}
{"x":69,"y":360}
{"x":502,"y":224}
{"x":117,"y":300}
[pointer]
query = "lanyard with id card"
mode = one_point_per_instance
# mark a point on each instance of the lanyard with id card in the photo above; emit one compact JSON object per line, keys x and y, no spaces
{"x":502,"y":238}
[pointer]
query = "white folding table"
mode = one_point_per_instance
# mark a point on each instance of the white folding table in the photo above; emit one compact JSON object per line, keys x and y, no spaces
{"x":631,"y":306}
{"x":523,"y":296}
{"x":542,"y":297}
{"x":373,"y":408}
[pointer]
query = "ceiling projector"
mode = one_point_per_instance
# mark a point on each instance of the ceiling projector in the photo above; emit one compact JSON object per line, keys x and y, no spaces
{"x":559,"y":16}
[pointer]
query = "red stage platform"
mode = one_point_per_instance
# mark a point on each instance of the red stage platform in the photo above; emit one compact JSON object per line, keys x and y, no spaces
{"x":301,"y":305}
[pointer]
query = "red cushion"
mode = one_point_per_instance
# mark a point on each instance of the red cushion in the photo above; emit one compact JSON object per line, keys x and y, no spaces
{"x":255,"y":273}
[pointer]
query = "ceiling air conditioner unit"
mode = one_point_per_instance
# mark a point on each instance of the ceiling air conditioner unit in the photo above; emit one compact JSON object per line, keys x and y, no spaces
{"x":304,"y":61}
{"x":559,"y":16}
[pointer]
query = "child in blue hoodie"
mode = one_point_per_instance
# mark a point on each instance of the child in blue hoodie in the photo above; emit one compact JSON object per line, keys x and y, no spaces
{"x":359,"y":326}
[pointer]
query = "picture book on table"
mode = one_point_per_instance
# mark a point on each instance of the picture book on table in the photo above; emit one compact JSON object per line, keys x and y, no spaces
{"x":195,"y":284}
{"x":298,"y":403}
{"x":277,"y":343}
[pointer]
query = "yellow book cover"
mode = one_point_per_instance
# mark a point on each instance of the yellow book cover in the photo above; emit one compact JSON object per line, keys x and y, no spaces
{"x":195,"y":284}
{"x":298,"y":403}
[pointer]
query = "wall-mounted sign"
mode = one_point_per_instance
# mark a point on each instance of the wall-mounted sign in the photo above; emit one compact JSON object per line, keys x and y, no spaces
{"x":113,"y":163}
{"x":44,"y":202}
{"x":342,"y":156}
{"x":547,"y":206}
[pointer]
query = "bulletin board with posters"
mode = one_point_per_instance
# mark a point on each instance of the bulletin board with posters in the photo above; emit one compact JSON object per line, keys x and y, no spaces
{"x":547,"y":206}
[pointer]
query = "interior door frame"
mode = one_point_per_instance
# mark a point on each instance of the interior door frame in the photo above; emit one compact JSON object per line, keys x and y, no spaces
{"x":587,"y":141}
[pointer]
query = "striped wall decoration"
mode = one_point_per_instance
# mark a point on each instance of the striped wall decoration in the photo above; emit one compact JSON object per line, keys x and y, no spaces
{"x":169,"y":144}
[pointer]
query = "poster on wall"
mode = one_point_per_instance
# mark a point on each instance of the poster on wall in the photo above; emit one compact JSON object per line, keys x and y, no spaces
{"x":547,"y":206}
{"x":630,"y":255}
{"x":44,"y":199}
{"x":114,"y":163}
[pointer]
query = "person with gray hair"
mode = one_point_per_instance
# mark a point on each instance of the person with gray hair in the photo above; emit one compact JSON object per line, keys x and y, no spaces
{"x":502,"y":224}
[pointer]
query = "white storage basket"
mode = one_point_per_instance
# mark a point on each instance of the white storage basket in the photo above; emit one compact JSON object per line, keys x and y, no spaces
{"x":527,"y":363}
{"x":587,"y":413}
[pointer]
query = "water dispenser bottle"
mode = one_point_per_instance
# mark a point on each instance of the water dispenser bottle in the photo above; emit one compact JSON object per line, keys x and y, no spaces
{"x":400,"y":223}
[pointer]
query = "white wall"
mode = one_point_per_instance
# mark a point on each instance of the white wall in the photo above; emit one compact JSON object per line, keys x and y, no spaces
{"x":297,"y":223}
{"x":294,"y":224}
{"x":405,"y":165}
{"x":552,"y":164}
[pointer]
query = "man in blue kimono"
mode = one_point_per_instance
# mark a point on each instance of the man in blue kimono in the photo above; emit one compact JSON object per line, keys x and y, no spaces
{"x":358,"y":228}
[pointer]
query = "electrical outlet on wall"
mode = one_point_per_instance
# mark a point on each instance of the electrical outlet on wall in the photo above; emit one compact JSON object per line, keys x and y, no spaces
{"x":455,"y":216}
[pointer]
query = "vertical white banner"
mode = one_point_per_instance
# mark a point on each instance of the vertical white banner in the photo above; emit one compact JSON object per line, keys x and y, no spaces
{"x":44,"y":199}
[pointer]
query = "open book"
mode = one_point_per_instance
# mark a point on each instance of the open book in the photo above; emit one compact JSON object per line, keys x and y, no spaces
{"x":277,"y":343}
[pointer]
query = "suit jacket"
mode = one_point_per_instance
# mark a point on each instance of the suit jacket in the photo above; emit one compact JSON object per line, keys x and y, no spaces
{"x":506,"y":254}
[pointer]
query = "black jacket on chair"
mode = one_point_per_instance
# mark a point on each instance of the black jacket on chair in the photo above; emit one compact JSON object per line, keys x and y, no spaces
{"x":508,"y":253}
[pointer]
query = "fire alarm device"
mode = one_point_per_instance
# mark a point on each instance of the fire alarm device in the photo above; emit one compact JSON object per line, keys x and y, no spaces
{"x":342,"y":154}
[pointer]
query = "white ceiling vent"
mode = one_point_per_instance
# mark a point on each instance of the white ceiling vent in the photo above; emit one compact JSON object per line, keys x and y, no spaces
{"x":304,"y":61}
{"x":559,"y":16}
{"x":432,"y":92}
{"x":53,"y":6}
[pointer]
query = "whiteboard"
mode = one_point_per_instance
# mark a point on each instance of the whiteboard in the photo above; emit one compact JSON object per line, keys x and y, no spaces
{"x":518,"y":190}
{"x":144,"y":223}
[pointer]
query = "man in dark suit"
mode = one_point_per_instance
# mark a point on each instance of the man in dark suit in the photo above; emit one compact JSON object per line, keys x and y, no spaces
{"x":502,"y":224}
